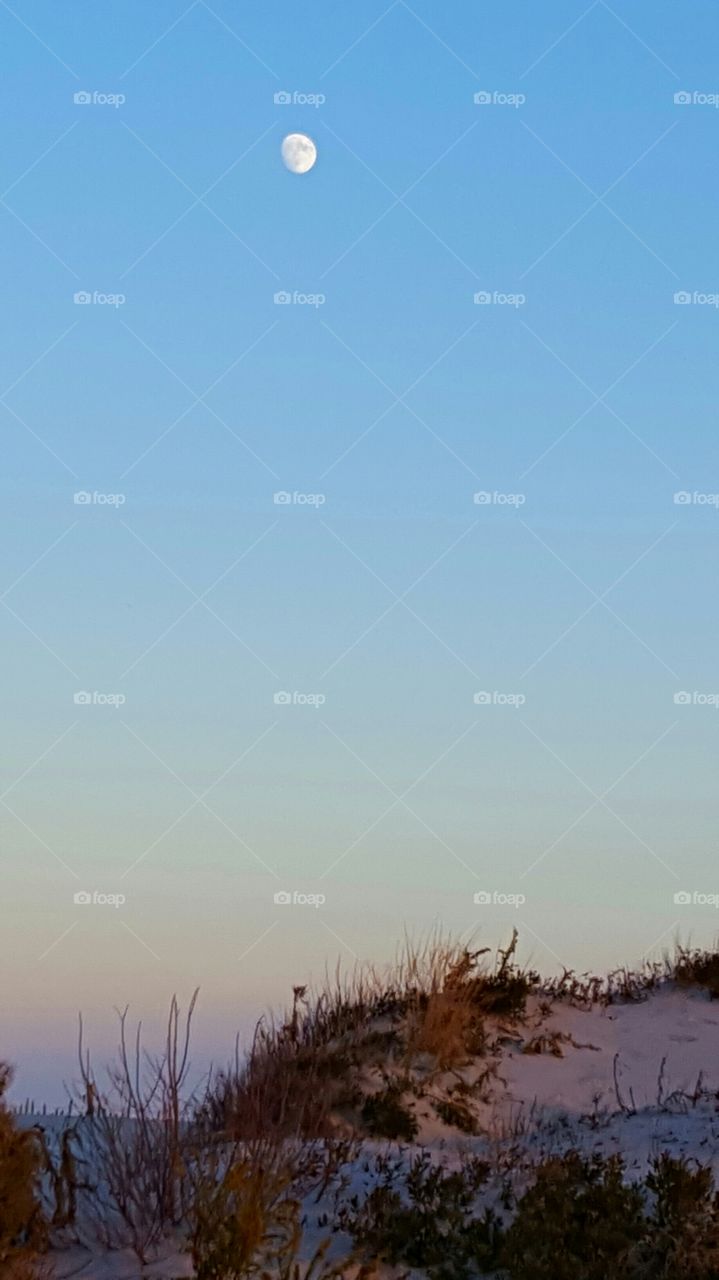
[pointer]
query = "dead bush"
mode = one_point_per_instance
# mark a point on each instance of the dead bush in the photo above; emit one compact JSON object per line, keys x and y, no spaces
{"x":135,"y":1137}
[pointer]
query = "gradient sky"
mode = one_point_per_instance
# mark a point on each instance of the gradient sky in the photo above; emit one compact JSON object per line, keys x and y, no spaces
{"x":199,"y":598}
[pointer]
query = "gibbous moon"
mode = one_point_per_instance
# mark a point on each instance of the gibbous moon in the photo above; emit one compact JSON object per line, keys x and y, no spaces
{"x":298,"y":152}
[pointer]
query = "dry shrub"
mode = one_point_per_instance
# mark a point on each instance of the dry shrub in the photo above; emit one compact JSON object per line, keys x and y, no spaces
{"x":162,"y":1169}
{"x":548,"y":1042}
{"x":135,"y":1137}
{"x":23,"y":1230}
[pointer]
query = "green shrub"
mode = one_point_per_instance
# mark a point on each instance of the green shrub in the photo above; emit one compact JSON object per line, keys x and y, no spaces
{"x":683,"y":1237}
{"x":426,"y":1221}
{"x":385,"y":1115}
{"x":680,"y":1191}
{"x":579,"y":1221}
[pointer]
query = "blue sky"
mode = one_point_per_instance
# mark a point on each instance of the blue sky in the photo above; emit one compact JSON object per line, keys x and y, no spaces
{"x":582,"y":409}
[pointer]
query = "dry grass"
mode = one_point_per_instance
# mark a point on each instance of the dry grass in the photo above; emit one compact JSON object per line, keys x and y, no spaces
{"x":309,"y":1069}
{"x":23,"y":1230}
{"x":245,"y":1214}
{"x":444,"y":1019}
{"x":448,"y":1027}
{"x":449,"y":1020}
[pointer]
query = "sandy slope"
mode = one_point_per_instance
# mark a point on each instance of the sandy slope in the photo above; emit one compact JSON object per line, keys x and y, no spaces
{"x":539,"y":1103}
{"x":679,"y":1026}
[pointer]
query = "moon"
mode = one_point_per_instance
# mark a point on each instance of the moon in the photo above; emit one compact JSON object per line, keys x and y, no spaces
{"x":299,"y":152}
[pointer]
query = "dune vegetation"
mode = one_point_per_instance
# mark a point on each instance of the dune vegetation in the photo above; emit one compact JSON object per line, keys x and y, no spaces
{"x":453,"y":1116}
